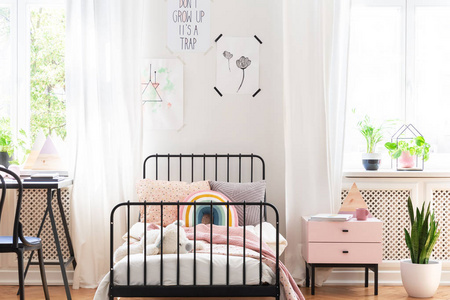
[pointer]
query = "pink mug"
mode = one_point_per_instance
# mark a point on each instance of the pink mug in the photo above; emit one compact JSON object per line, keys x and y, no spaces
{"x":361,"y":214}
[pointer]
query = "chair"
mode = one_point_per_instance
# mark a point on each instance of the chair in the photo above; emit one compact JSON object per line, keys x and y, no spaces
{"x":17,"y":243}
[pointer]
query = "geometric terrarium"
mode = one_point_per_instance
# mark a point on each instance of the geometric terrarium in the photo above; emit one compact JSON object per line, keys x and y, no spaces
{"x":408,"y":148}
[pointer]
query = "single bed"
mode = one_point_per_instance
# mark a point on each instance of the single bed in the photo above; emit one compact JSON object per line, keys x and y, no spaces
{"x":233,"y":262}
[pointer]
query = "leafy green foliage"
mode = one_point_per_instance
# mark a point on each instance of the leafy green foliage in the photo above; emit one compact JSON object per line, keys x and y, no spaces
{"x":47,"y":72}
{"x":416,"y":146}
{"x":371,"y":133}
{"x":424,"y":233}
{"x":6,"y":141}
{"x":13,"y":146}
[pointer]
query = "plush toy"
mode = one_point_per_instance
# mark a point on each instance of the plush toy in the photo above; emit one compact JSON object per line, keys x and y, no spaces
{"x":169,"y":240}
{"x":154,"y":242}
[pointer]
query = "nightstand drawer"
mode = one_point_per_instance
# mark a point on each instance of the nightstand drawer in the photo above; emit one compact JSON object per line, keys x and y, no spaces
{"x":369,"y":231}
{"x":355,"y":253}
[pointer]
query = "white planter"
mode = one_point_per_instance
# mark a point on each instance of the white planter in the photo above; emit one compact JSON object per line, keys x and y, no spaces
{"x":421,"y":280}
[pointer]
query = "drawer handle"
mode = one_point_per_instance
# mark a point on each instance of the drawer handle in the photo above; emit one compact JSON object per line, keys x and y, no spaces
{"x":344,"y":230}
{"x":345,"y":251}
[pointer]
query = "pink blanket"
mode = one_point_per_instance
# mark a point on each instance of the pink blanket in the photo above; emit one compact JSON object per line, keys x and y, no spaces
{"x":203,"y":233}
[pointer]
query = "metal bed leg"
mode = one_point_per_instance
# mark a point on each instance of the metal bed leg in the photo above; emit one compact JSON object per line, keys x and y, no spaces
{"x":57,"y":244}
{"x":366,"y":277}
{"x":66,"y":228}
{"x":375,"y":270}
{"x":307,"y":275}
{"x":313,"y":279}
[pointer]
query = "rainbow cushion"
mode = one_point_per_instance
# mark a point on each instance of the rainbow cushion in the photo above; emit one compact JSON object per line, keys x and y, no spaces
{"x":219,"y":211}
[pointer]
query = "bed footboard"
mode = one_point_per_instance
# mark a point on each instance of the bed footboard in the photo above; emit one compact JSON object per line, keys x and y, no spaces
{"x":262,"y":289}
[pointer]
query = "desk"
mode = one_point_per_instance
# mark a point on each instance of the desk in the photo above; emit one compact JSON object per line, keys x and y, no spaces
{"x":51,"y":188}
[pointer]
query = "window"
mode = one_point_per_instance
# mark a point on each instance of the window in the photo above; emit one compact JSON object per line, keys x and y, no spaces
{"x":399,"y":70}
{"x":32,"y":71}
{"x":6,"y":49}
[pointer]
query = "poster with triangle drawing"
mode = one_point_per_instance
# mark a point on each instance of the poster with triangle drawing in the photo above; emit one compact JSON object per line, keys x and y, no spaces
{"x":162,"y":93}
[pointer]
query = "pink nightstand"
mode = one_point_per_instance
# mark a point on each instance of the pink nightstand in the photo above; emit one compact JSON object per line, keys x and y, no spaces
{"x":342,"y":244}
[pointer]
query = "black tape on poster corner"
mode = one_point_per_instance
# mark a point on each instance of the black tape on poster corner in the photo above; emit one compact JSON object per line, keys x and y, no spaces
{"x":257,"y":38}
{"x":256,"y":93}
{"x":218,"y":38}
{"x":218,"y":92}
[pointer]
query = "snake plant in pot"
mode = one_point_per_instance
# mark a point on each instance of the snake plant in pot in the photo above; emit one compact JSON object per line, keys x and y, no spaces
{"x":420,"y":275}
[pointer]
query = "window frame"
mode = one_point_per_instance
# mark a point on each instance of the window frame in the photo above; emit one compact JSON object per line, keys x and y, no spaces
{"x":20,"y":62}
{"x":408,"y":8}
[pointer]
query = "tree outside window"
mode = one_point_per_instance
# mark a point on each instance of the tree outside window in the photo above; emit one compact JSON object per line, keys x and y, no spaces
{"x":47,"y":72}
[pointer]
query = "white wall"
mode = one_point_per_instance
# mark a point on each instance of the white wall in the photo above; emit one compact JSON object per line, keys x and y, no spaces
{"x":229,"y":124}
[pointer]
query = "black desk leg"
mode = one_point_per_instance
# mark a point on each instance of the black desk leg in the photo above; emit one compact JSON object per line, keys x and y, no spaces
{"x":313,"y":279}
{"x":366,"y":277}
{"x":307,"y":274}
{"x":57,"y":244}
{"x":66,"y":228}
{"x":32,"y":252}
{"x":375,"y":268}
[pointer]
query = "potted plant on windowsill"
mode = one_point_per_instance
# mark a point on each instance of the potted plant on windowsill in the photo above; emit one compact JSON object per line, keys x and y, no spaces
{"x":6,"y":142}
{"x":420,"y":275}
{"x":373,"y":135}
{"x":9,"y":146}
{"x":408,"y":151}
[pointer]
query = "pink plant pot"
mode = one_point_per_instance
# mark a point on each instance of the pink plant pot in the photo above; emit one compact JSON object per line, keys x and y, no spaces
{"x":406,"y":160}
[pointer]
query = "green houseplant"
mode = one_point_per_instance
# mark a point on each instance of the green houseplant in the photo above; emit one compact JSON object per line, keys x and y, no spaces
{"x":6,"y":142}
{"x":420,"y":275}
{"x":9,"y":145}
{"x":424,"y":233}
{"x":373,"y":135}
{"x":407,"y":151}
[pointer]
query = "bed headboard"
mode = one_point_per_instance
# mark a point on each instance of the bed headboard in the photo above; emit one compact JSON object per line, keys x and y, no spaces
{"x":218,"y":167}
{"x":241,"y":167}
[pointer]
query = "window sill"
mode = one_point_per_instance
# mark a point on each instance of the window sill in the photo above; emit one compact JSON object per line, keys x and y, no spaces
{"x":389,"y":173}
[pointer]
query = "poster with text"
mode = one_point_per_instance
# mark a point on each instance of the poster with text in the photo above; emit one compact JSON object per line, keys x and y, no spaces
{"x":162,"y":93}
{"x":237,"y":70}
{"x":188,"y":27}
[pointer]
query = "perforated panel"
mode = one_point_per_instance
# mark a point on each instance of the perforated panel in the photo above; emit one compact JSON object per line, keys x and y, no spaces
{"x":390,"y":206}
{"x":440,"y":202}
{"x":33,"y":209}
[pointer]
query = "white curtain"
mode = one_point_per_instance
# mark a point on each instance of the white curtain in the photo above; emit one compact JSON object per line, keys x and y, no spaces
{"x":104,"y":123}
{"x":315,"y":60}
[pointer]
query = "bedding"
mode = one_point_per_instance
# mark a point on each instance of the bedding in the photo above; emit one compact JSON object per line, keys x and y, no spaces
{"x":268,"y":230}
{"x":167,"y":191}
{"x":203,"y":256}
{"x":240,"y":192}
{"x":186,"y":271}
{"x":252,"y":244}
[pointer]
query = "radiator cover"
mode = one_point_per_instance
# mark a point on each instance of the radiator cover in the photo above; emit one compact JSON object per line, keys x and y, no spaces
{"x":34,"y":203}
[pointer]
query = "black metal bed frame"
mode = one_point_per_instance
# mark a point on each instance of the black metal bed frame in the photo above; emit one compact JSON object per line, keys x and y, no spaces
{"x":195,"y":290}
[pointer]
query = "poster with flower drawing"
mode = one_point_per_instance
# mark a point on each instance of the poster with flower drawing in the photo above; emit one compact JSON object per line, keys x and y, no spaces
{"x":237,"y":65}
{"x":162,"y":93}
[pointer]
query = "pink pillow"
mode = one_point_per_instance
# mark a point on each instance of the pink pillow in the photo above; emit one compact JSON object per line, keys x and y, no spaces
{"x":166,"y":191}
